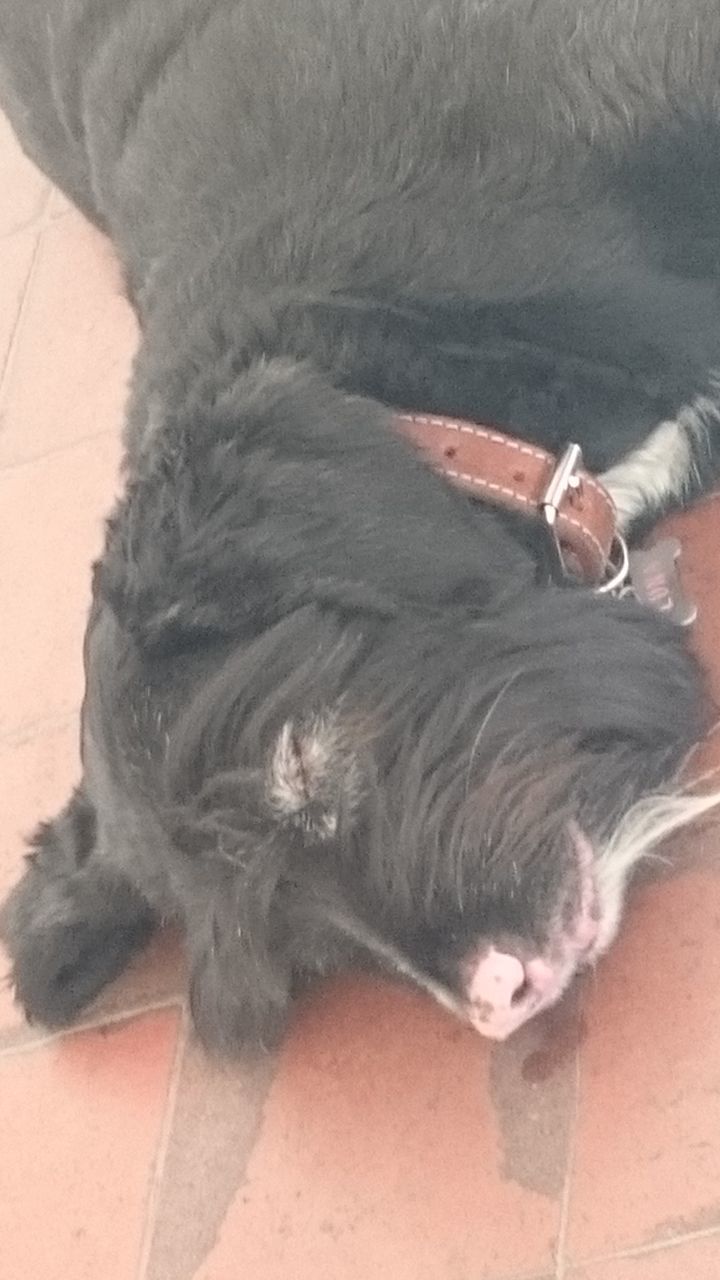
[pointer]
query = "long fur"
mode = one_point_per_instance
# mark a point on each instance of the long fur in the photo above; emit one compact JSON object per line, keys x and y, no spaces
{"x":334,"y":712}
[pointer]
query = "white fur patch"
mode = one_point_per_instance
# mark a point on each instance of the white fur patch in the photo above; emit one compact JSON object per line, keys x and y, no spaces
{"x":645,"y":826}
{"x":300,"y":761}
{"x":663,"y":468}
{"x":310,"y":763}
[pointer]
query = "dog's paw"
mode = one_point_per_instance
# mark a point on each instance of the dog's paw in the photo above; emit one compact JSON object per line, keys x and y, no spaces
{"x":61,"y":954}
{"x":67,"y":938}
{"x":56,"y":974}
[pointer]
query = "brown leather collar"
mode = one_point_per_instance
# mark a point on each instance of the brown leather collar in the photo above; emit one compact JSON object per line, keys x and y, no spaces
{"x":578,"y":512}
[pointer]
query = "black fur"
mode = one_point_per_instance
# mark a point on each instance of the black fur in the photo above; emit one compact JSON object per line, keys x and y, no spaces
{"x":330,"y":711}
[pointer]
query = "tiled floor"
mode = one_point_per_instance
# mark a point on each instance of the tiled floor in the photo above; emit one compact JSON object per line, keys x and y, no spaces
{"x":385,"y":1140}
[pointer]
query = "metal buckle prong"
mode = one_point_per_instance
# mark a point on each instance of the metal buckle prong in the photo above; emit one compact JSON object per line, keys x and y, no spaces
{"x":564,"y":477}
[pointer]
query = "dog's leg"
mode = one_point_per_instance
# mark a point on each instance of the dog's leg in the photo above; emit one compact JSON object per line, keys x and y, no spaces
{"x":69,"y":925}
{"x":679,"y":460}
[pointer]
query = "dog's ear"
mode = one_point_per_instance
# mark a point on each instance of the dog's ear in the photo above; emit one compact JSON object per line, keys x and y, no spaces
{"x":240,"y":973}
{"x":314,"y":776}
{"x":232,"y":773}
{"x":249,"y":835}
{"x":233,"y":858}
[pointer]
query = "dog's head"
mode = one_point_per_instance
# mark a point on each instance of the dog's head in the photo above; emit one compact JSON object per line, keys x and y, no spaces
{"x":466,"y":805}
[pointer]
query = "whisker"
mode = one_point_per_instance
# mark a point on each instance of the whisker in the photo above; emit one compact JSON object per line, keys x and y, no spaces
{"x":485,"y":722}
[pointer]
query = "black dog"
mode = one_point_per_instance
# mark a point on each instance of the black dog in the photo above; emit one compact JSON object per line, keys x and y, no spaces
{"x":333,"y":710}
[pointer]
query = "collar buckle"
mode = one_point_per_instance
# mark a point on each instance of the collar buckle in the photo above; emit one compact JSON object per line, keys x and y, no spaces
{"x":565,"y":477}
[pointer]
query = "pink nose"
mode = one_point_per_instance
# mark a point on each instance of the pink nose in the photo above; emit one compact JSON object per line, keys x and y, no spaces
{"x":497,"y":980}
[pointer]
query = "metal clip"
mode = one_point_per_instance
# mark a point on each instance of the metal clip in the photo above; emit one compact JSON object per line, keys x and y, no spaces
{"x":618,"y":569}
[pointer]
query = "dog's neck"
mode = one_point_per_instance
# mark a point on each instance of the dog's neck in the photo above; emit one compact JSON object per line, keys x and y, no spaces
{"x":528,"y":366}
{"x":575,"y":508}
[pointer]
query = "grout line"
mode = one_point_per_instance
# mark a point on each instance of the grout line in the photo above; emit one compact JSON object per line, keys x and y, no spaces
{"x":32,"y":729}
{"x":520,"y":1275}
{"x":152,"y":1202}
{"x":561,"y":1263}
{"x":6,"y":364}
{"x":37,"y":221}
{"x":657,"y":1246}
{"x":43,"y":1040}
{"x":42,"y":217}
{"x":9,"y":468}
{"x":524,"y":1275}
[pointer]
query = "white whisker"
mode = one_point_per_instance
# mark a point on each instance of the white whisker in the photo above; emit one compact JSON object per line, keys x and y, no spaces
{"x":485,"y":722}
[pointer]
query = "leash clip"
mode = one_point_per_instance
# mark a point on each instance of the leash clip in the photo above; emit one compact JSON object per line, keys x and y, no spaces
{"x":618,"y":569}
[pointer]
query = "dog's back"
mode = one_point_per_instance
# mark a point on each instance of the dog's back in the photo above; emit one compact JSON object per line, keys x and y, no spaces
{"x":517,"y":173}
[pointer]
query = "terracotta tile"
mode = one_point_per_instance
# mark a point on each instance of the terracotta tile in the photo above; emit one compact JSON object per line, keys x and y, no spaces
{"x":699,"y":533}
{"x":16,"y":257}
{"x":50,"y":528}
{"x":648,"y":1151}
{"x":381,"y":1152}
{"x":69,"y":372}
{"x":648,"y":1144}
{"x":81,"y":1121}
{"x":694,"y":1260}
{"x":23,"y":190}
